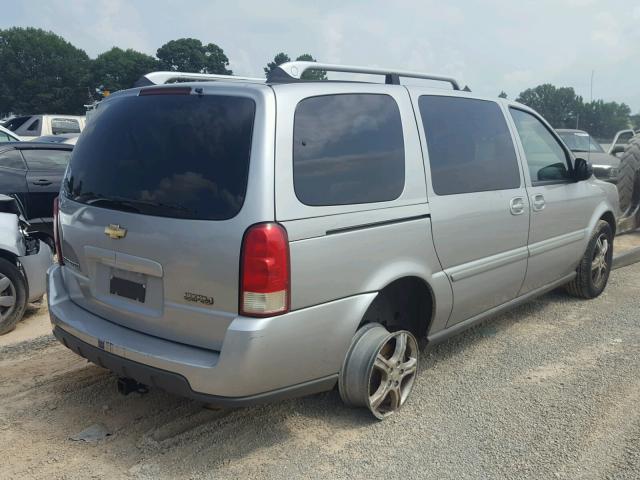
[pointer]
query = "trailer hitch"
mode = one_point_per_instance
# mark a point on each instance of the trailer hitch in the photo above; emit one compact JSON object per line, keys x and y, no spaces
{"x":128,"y":385}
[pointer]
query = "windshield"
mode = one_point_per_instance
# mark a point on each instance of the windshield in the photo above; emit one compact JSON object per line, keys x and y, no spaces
{"x":180,"y":156}
{"x":580,"y":142}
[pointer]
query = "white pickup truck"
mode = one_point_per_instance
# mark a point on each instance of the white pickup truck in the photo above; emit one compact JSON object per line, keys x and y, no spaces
{"x":30,"y":127}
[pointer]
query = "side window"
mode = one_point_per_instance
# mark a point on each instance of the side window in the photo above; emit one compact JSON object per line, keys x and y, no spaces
{"x":12,"y":159}
{"x":64,"y":125}
{"x":546,"y":158}
{"x":348,"y":149}
{"x":5,"y":138}
{"x":35,"y":126}
{"x":624,"y":138}
{"x":470,"y":147}
{"x":47,"y":159}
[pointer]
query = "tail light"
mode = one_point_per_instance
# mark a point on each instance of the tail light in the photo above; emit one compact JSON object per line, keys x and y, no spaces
{"x":264,"y":271}
{"x":56,"y":230}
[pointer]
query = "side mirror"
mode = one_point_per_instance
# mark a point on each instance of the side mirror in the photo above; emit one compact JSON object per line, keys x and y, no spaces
{"x":582,"y":170}
{"x":619,"y":148}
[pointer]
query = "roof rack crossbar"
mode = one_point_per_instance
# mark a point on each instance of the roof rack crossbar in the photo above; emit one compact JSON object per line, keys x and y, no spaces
{"x":160,"y":78}
{"x":292,"y":71}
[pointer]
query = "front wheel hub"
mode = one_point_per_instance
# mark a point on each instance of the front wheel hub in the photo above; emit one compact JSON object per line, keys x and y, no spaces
{"x":379,"y":370}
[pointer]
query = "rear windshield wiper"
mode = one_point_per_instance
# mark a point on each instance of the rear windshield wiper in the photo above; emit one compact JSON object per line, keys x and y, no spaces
{"x":170,"y":206}
{"x":133,"y":205}
{"x":118,"y":204}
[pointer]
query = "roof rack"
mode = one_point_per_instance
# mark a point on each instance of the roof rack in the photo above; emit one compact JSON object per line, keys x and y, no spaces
{"x":160,"y":78}
{"x":292,"y":71}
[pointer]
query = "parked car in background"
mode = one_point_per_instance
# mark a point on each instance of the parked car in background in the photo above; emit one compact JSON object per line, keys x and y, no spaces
{"x":33,"y":172}
{"x":605,"y":166}
{"x":620,"y":141}
{"x":24,"y":261}
{"x":7,"y":135}
{"x":30,"y":127}
{"x":227,"y":250}
{"x":68,"y":138}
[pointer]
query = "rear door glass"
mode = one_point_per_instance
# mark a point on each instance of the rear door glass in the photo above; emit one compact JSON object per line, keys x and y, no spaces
{"x":12,"y":159}
{"x":53,"y":160}
{"x":179,"y":156}
{"x":64,"y":125}
{"x":470,"y":147}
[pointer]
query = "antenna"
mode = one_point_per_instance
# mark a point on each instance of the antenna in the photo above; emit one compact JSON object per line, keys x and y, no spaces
{"x":591,"y":103}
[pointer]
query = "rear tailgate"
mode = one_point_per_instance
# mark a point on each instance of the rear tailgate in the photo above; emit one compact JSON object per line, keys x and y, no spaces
{"x":158,"y":195}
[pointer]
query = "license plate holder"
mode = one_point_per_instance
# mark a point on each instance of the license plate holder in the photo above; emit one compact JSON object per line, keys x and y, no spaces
{"x":128,"y":289}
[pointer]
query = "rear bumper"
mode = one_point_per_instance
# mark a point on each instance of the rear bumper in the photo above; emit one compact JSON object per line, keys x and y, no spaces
{"x":260,"y":360}
{"x":176,"y":383}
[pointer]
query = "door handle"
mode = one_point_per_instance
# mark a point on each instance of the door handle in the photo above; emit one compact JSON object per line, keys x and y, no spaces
{"x":516,"y":206}
{"x":538,"y":202}
{"x":42,"y":182}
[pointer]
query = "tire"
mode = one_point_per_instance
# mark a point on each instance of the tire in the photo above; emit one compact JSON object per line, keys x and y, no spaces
{"x":629,"y":186}
{"x":594,"y":268}
{"x":379,"y":370}
{"x":13,"y":296}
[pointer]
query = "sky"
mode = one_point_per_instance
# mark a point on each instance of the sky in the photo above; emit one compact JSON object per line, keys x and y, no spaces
{"x":491,"y":45}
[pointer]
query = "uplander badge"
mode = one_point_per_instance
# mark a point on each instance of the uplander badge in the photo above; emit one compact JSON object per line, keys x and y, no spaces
{"x":194,"y":297}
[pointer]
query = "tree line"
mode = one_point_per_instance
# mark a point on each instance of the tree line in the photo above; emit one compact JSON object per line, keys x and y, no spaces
{"x":42,"y":72}
{"x":563,"y":108}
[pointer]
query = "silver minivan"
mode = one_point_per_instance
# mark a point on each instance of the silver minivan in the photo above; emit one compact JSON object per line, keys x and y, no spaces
{"x":236,"y":240}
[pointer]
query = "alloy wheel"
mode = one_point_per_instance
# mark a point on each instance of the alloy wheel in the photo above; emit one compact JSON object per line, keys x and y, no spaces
{"x":8,"y":297}
{"x":394,"y":371}
{"x":379,"y":369}
{"x":600,"y":261}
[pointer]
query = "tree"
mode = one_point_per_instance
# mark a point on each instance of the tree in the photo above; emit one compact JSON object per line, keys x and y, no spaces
{"x":559,"y":106}
{"x":118,"y":69}
{"x":311,"y":74}
{"x":635,"y":121}
{"x":190,"y":55}
{"x":281,"y":58}
{"x":217,"y":62}
{"x":41,"y":73}
{"x":502,"y":94}
{"x":603,"y":119}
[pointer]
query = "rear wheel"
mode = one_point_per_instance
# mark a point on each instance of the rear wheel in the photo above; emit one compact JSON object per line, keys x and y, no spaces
{"x":379,"y":370}
{"x":593,"y":272}
{"x":13,"y":296}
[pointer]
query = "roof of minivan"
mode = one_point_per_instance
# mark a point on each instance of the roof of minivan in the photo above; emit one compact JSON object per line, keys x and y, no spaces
{"x":260,"y":84}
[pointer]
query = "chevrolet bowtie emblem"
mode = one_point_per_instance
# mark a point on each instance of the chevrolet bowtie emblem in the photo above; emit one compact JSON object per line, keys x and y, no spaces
{"x":115,"y":231}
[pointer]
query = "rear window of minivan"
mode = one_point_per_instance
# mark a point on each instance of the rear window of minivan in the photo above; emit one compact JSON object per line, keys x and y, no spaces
{"x":178,"y":156}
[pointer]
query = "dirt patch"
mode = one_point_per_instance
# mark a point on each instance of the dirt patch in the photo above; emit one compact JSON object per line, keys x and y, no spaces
{"x":474,"y":412}
{"x":626,"y":241}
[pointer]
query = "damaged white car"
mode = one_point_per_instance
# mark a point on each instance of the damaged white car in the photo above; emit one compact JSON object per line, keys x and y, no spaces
{"x":24,"y":261}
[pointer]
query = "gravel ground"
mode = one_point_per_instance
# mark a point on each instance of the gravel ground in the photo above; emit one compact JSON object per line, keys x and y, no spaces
{"x":549,"y":390}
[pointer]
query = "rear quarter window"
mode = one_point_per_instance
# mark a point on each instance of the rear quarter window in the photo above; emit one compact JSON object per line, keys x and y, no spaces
{"x":348,"y":149}
{"x":179,"y":156}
